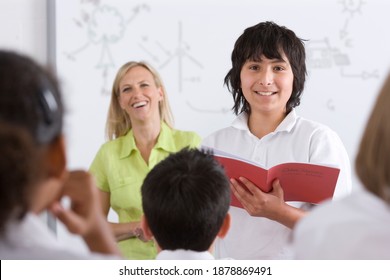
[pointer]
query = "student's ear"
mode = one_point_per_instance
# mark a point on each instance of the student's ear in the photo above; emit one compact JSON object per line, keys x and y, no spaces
{"x":56,"y":158}
{"x":145,"y":228}
{"x":225,"y":226}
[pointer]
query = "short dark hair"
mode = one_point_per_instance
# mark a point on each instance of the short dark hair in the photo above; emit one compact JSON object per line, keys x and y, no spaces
{"x":185,"y":199}
{"x":270,"y":40}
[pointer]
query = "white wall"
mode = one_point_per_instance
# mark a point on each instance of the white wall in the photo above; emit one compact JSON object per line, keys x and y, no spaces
{"x":23,"y":28}
{"x":190,"y":43}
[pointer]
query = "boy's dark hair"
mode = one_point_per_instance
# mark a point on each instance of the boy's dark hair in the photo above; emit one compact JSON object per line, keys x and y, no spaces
{"x":270,"y":40}
{"x":185,"y":199}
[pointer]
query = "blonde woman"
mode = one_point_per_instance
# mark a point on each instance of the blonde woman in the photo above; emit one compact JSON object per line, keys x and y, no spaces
{"x":140,"y":132}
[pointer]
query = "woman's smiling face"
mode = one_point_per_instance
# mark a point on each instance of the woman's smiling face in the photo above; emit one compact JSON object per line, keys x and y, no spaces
{"x":139,"y":96}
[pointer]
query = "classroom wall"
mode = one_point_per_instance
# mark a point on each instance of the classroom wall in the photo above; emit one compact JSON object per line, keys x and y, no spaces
{"x":190,"y":43}
{"x":23,"y":28}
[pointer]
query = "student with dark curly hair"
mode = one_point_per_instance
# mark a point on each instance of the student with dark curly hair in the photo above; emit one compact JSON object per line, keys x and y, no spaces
{"x":33,"y":175}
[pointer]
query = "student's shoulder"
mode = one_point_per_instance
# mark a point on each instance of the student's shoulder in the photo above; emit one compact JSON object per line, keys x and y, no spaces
{"x":329,"y":211}
{"x":221,"y":133}
{"x":59,"y":254}
{"x":309,"y":123}
{"x":312,"y":127}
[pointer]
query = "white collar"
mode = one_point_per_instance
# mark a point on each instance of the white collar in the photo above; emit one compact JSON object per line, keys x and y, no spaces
{"x":241,"y":122}
{"x":181,"y":254}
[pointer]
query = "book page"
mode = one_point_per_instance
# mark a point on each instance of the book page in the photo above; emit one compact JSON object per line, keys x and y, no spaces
{"x":305,"y":182}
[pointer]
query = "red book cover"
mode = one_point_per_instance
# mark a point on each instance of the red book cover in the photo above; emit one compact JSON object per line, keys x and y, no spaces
{"x":305,"y":182}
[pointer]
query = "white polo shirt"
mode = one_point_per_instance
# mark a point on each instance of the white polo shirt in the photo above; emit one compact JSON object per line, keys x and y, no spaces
{"x":31,"y":239}
{"x":184,"y":255}
{"x":294,"y":140}
{"x":356,"y":227}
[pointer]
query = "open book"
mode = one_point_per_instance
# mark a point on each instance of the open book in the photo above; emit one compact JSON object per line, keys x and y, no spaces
{"x":305,"y":182}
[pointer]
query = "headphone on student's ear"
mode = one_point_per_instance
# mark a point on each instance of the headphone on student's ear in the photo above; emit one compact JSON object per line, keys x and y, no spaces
{"x":50,"y":112}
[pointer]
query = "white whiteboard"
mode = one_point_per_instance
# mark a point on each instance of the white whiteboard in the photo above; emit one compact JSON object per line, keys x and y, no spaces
{"x":190,"y":42}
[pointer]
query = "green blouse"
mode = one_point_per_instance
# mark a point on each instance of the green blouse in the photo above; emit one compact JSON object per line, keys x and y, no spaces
{"x":120,"y":170}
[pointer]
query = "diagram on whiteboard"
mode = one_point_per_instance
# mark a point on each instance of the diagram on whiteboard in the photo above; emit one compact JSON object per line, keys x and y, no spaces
{"x":179,"y":54}
{"x":104,"y":26}
{"x":321,"y":54}
{"x":190,"y":45}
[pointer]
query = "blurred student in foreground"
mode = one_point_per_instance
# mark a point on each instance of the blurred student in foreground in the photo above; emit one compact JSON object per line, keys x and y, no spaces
{"x":358,"y":226}
{"x":33,"y":175}
{"x":185,"y":199}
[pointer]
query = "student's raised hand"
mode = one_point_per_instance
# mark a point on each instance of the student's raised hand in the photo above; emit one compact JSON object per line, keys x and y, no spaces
{"x":81,"y":217}
{"x":84,"y":217}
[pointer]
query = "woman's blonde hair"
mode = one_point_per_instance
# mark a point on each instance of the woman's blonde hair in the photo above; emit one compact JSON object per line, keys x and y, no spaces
{"x":118,"y":121}
{"x":373,"y":159}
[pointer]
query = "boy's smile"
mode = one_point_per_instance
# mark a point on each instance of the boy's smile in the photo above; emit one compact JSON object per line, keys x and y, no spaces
{"x":267,"y":84}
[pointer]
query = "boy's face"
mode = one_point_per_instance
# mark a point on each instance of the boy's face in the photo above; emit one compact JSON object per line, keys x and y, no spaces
{"x":267,"y":85}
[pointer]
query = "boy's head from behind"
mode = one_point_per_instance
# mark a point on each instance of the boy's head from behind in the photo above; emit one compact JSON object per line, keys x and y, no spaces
{"x":185,"y":199}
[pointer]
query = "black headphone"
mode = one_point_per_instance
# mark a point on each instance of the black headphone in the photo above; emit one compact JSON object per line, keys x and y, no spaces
{"x":50,"y":111}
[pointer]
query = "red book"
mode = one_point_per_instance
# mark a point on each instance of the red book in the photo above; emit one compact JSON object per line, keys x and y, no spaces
{"x":304,"y":182}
